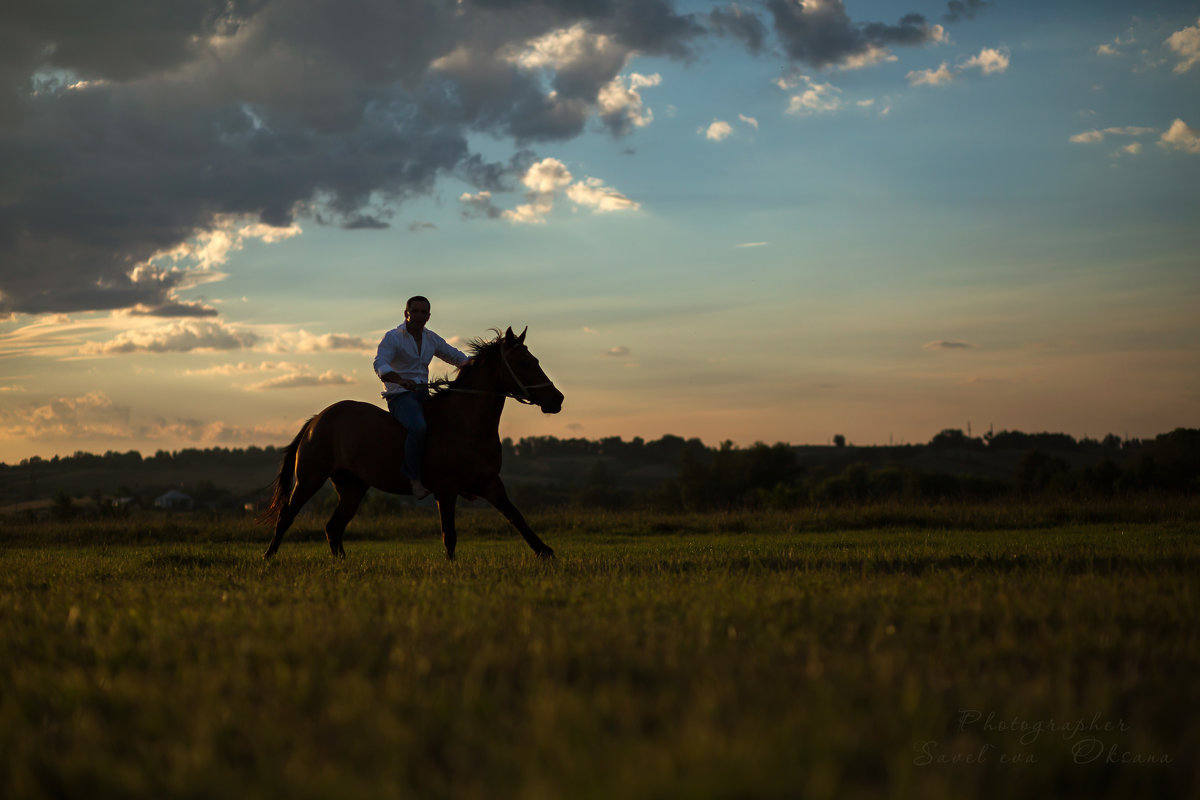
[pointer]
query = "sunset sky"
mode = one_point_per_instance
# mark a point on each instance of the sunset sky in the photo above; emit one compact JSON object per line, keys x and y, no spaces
{"x":773,"y":220}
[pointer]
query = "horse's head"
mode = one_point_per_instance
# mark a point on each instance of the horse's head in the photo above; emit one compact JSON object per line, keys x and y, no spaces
{"x":524,"y":375}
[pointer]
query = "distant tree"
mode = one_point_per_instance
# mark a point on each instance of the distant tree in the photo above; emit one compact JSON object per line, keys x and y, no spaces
{"x":955,"y":439}
{"x":1174,"y":459}
{"x":1017,"y":440}
{"x":839,"y":440}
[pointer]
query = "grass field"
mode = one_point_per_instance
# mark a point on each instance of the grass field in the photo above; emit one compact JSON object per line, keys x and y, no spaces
{"x":725,"y":656}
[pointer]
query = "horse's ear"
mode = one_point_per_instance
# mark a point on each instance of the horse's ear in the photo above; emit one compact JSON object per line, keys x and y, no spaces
{"x":508,"y":334}
{"x":521,"y":338}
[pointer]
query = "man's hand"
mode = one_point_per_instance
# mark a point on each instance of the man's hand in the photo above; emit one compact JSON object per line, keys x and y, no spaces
{"x":394,"y":377}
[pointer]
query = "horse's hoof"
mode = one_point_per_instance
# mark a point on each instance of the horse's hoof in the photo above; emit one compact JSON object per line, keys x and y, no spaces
{"x":546,"y":554}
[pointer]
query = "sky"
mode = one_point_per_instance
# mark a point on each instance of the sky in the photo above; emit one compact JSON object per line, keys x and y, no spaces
{"x":771,"y":221}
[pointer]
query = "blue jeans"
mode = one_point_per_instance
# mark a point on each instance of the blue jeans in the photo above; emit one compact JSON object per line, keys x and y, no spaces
{"x":409,"y":410}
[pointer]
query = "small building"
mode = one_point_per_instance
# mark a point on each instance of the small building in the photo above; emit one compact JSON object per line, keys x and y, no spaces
{"x":174,"y":500}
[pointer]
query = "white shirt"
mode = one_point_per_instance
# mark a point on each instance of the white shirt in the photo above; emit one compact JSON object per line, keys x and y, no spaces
{"x":398,"y":352}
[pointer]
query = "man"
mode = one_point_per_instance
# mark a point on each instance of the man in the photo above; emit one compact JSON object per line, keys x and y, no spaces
{"x":402,"y":363}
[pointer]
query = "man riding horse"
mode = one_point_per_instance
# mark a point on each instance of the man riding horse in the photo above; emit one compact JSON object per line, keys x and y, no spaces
{"x":402,"y":363}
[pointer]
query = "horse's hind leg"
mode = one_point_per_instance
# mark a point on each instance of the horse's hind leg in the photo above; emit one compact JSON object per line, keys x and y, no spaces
{"x":302,"y":492}
{"x":498,"y":497}
{"x":350,"y":493}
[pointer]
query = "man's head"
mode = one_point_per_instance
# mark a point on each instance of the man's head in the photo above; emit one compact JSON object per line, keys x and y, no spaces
{"x":416,"y":313}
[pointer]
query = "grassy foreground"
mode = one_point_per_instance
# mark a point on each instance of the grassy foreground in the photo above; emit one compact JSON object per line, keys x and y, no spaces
{"x":880,"y":663}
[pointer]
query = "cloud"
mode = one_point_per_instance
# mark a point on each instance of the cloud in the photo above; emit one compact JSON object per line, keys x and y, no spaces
{"x":302,"y":380}
{"x":302,"y":341}
{"x":544,"y":180}
{"x":740,"y":25}
{"x":717,"y":131}
{"x":547,"y":176}
{"x":620,"y":104}
{"x":752,"y":244}
{"x":1185,"y":44}
{"x":931,"y":77}
{"x":818,"y":98}
{"x":618,"y":352}
{"x":143,"y":150}
{"x":95,"y":417}
{"x":1093,"y":136}
{"x":868,"y":58}
{"x":751,"y":121}
{"x":821,"y":34}
{"x":548,"y":179}
{"x":139,"y":135}
{"x":479,"y":205}
{"x":82,"y":417}
{"x":244,"y":368}
{"x":178,"y":337}
{"x":592,"y":193}
{"x":956,"y":10}
{"x":216,"y":432}
{"x":568,"y":48}
{"x":948,"y":344}
{"x":1182,"y":137}
{"x":989,"y":61}
{"x":1113,"y":48}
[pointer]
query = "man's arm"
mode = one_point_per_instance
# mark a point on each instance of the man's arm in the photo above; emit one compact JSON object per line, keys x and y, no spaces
{"x":451,"y":354}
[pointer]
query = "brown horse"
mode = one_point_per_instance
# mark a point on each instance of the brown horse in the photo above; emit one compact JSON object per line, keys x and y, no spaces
{"x":359,"y":445}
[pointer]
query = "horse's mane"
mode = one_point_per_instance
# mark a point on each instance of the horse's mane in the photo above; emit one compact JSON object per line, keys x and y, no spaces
{"x":480,"y":349}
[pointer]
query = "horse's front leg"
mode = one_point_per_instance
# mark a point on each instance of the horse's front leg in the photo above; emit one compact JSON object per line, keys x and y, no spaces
{"x":445,"y":504}
{"x":498,"y":497}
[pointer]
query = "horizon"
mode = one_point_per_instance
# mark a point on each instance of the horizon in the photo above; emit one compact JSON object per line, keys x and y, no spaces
{"x":760,"y":222}
{"x":1091,"y":440}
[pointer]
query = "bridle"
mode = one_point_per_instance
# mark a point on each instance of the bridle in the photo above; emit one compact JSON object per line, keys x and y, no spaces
{"x":523,"y":396}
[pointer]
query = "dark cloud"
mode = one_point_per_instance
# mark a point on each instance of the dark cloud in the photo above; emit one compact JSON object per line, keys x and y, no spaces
{"x":823,"y":35}
{"x":734,"y":22}
{"x":360,"y":222}
{"x":128,"y":130}
{"x":956,"y":10}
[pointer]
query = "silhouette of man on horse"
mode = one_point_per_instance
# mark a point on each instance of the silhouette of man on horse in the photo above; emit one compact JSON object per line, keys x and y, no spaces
{"x":402,"y":363}
{"x":358,"y":446}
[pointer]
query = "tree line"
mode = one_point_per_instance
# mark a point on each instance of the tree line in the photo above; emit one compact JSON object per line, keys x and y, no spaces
{"x":686,"y":474}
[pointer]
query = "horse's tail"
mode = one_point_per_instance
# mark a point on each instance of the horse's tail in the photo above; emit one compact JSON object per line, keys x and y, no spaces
{"x":281,"y":489}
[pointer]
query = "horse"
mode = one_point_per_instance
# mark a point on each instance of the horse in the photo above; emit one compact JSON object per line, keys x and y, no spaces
{"x":359,"y":445}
